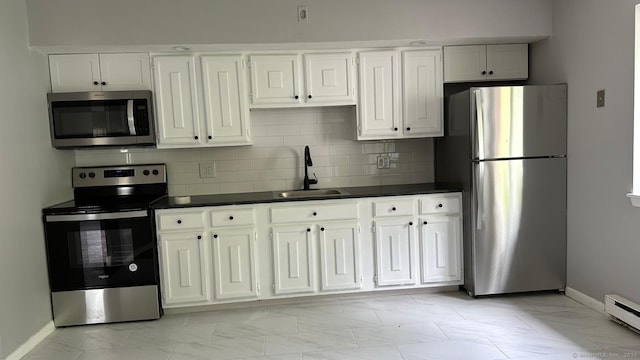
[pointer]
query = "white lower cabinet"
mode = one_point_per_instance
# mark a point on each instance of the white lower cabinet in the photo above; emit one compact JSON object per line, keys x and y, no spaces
{"x":395,"y":252}
{"x":222,"y":254}
{"x":182,"y":256}
{"x":234,"y":263}
{"x":441,"y":249}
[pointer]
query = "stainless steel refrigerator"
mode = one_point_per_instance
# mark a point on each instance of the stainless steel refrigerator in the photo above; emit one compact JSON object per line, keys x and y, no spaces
{"x":507,"y":146}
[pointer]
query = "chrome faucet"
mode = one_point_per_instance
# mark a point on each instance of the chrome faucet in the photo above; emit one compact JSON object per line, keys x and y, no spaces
{"x":307,"y":163}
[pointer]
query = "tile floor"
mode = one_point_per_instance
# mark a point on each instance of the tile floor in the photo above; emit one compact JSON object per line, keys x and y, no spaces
{"x":450,"y":325}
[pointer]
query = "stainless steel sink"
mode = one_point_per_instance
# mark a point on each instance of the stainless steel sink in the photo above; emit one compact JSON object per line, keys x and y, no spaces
{"x":311,"y":193}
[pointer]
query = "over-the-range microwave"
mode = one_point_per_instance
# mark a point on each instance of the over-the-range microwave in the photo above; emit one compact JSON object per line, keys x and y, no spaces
{"x":101,"y":119}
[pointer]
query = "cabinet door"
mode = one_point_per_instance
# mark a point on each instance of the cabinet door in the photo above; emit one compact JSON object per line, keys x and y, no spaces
{"x":441,"y":252}
{"x":422,"y":93}
{"x":234,"y":263}
{"x":378,"y":109}
{"x":465,"y":63}
{"x":176,"y":102}
{"x":74,"y":72}
{"x":507,"y":62}
{"x":340,"y":256}
{"x":183,"y":268}
{"x":329,"y":78}
{"x":293,"y":259}
{"x":395,"y":252}
{"x":275,"y":79}
{"x":226,"y":115}
{"x":125,"y":72}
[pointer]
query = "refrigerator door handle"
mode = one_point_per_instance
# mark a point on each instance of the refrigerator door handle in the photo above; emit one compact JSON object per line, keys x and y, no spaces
{"x":479,"y":125}
{"x":478,"y":184}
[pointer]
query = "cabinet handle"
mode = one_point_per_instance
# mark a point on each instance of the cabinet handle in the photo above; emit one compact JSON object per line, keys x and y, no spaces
{"x":308,"y":230}
{"x":410,"y":223}
{"x":179,"y":221}
{"x":321,"y":229}
{"x":484,"y":72}
{"x":296,"y":97}
{"x":104,"y":83}
{"x":315,"y":213}
{"x":395,"y":129}
{"x":309,"y":96}
{"x":196,"y":137}
{"x":424,"y":223}
{"x":199,"y":237}
{"x":210,"y":137}
{"x":408,"y":129}
{"x":96,"y":83}
{"x":491,"y":72}
{"x":439,"y":205}
{"x":393,"y":208}
{"x":215,"y":236}
{"x":230,"y":217}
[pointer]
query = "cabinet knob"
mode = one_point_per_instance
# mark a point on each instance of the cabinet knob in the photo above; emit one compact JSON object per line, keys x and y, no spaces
{"x":321,"y":229}
{"x":199,"y":237}
{"x":210,"y":137}
{"x":215,"y":236}
{"x":410,"y":223}
{"x":308,"y":230}
{"x":95,"y":83}
{"x":408,"y":129}
{"x":393,"y":208}
{"x":395,"y":129}
{"x":196,"y":137}
{"x":315,"y":213}
{"x":230,"y":217}
{"x":424,"y":223}
{"x":439,"y":205}
{"x":484,"y":72}
{"x":179,"y":221}
{"x":491,"y":72}
{"x":104,"y":83}
{"x":296,"y":97}
{"x":309,"y":96}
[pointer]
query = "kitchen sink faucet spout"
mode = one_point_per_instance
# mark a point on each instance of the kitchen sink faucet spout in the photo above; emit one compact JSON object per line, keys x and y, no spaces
{"x":307,"y":163}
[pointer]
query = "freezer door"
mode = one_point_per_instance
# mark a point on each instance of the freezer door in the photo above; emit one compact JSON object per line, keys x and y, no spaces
{"x":519,"y":121}
{"x":519,"y":226}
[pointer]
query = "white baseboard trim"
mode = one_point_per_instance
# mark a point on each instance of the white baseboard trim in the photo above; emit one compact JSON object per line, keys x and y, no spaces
{"x":33,"y":341}
{"x":585,"y":300}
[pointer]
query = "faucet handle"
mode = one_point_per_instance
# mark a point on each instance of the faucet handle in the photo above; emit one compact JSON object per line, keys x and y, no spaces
{"x":313,"y":181}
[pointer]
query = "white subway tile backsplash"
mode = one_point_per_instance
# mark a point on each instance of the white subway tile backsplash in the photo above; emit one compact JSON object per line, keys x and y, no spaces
{"x":276,"y":159}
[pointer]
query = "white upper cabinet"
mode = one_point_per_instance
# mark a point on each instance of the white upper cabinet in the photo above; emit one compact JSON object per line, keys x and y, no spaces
{"x":280,"y":81}
{"x":200,"y":101}
{"x":99,"y":72}
{"x":422,"y":93}
{"x":400,"y":94}
{"x":486,"y":62}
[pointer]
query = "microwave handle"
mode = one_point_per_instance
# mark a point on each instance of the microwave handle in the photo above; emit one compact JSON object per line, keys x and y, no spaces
{"x":130,"y":118}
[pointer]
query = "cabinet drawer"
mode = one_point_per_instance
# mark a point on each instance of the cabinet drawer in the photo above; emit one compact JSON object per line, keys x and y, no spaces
{"x":314,"y":213}
{"x":439,"y":205}
{"x":232,"y":217}
{"x":180,"y":221}
{"x":399,"y":207}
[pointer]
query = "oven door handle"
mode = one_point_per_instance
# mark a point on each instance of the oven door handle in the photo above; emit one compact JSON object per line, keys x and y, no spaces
{"x":131,"y":118}
{"x":90,"y":217}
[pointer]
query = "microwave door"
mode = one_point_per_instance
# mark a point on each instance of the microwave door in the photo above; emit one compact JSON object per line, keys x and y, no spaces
{"x":131,"y":118}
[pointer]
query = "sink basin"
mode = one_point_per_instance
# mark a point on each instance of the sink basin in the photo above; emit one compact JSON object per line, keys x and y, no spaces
{"x":311,"y":193}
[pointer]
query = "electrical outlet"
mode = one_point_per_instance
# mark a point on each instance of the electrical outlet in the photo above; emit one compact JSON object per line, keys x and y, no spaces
{"x":207,"y":170}
{"x":383,"y":161}
{"x":303,"y":13}
{"x":600,"y":98}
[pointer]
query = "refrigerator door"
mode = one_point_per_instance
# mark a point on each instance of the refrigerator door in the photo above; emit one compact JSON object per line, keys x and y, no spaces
{"x":518,"y":222}
{"x":518,"y":121}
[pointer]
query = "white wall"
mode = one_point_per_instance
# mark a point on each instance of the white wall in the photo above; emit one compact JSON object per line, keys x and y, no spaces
{"x":592,"y":48}
{"x":275,"y":161}
{"x":33,"y":175}
{"x":143,"y":22}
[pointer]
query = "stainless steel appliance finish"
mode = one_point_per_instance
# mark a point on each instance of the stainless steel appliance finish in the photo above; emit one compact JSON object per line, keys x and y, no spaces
{"x":96,"y":306}
{"x":99,"y":119}
{"x":507,"y":146}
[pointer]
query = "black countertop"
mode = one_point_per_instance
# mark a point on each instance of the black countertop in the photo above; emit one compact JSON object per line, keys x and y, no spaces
{"x":272,"y":196}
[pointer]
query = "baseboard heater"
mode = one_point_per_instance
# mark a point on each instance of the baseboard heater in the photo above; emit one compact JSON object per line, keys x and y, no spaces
{"x":623,"y":311}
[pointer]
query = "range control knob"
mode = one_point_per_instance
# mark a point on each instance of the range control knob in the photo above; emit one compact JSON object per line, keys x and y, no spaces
{"x":92,"y":174}
{"x":82,"y":175}
{"x":155,"y":172}
{"x":146,"y":172}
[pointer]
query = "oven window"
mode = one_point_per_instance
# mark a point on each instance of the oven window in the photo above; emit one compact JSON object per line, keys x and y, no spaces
{"x":95,"y":247}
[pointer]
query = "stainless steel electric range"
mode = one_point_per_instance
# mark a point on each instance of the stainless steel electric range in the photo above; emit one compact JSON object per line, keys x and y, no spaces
{"x":101,"y":250}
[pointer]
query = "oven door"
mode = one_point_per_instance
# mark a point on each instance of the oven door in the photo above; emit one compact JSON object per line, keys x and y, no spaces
{"x":88,"y":251}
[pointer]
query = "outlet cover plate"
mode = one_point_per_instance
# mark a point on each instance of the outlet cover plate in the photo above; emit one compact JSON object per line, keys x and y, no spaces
{"x":207,"y":170}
